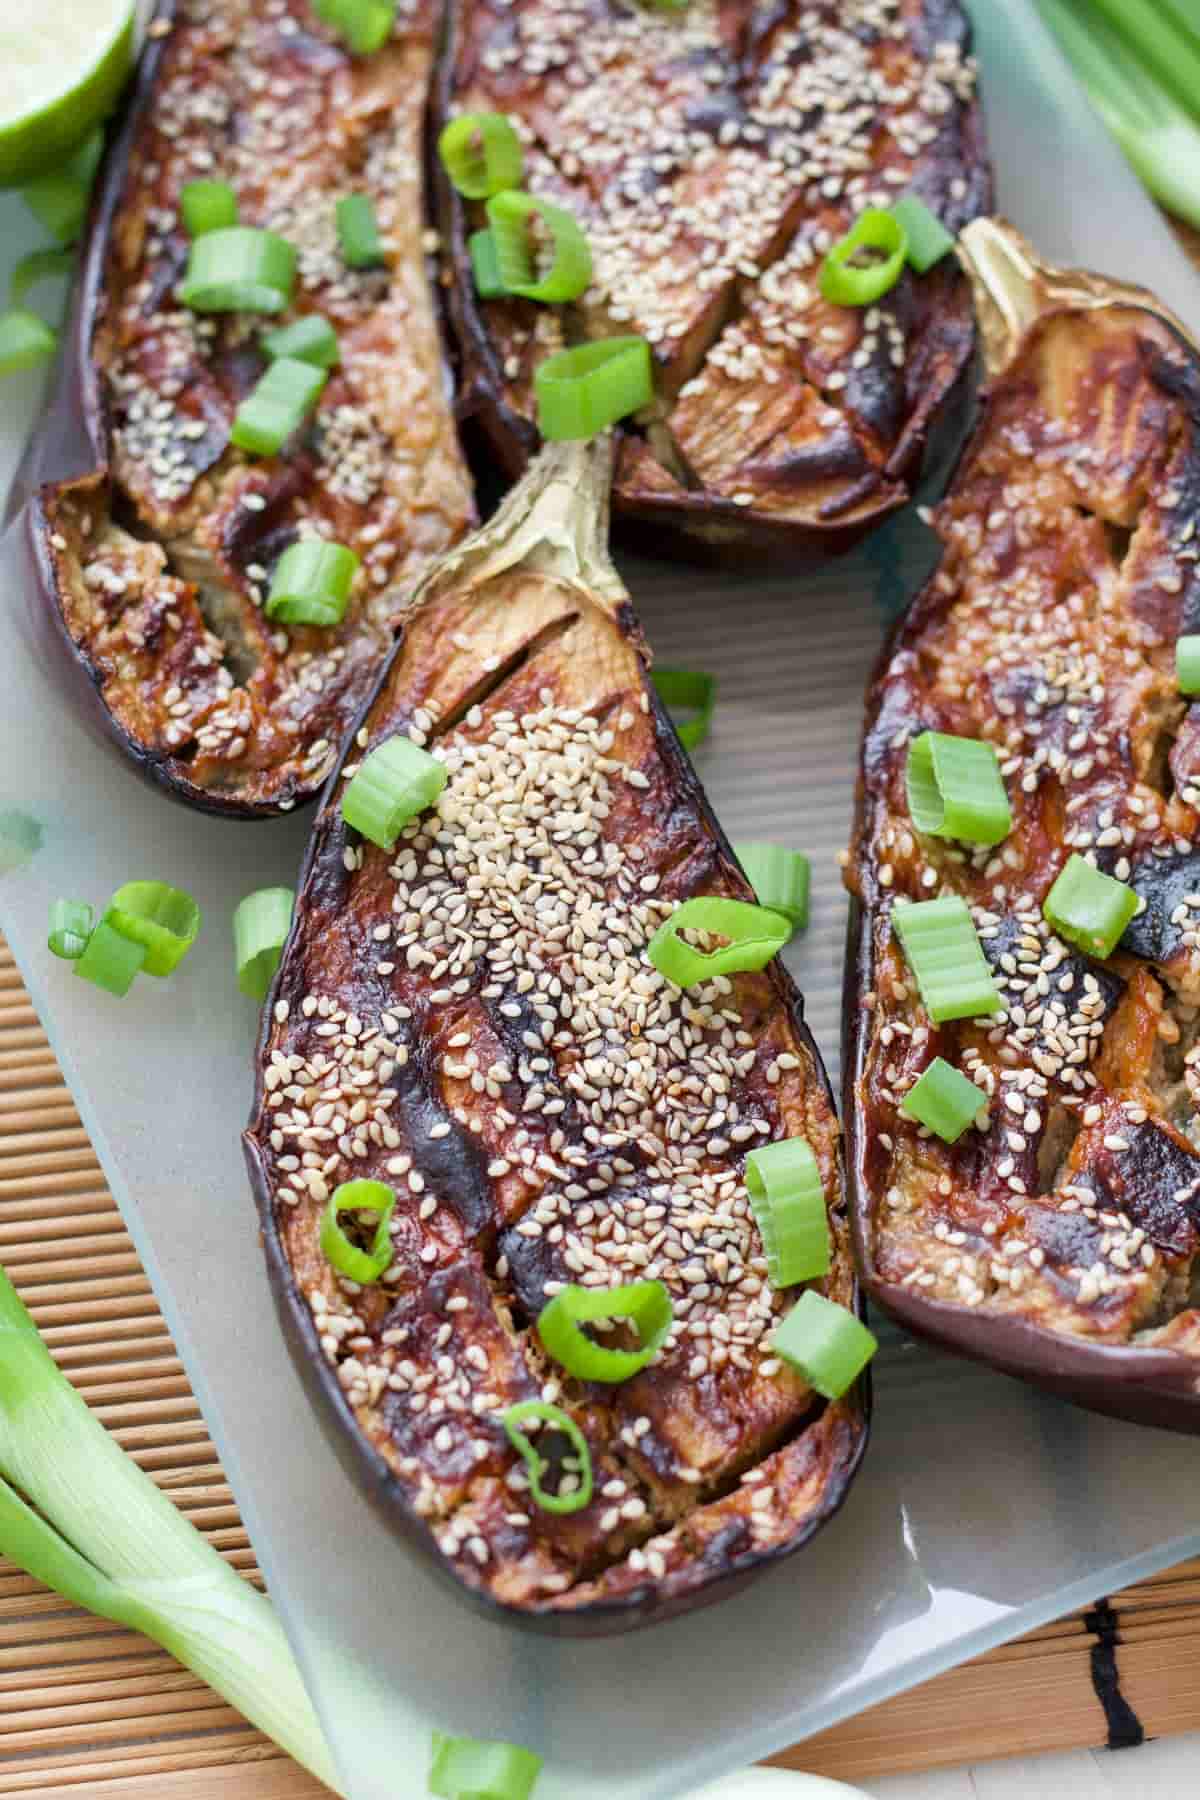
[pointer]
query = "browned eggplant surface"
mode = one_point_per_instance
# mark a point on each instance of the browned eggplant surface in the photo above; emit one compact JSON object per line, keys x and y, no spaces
{"x":473,"y":1019}
{"x":157,"y":560}
{"x":1059,"y":1238}
{"x":713,"y":154}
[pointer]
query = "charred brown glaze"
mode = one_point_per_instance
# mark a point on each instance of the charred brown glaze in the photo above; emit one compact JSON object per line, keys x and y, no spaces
{"x":157,"y":552}
{"x":473,"y":1019}
{"x":1058,"y":1238}
{"x":712,"y":154}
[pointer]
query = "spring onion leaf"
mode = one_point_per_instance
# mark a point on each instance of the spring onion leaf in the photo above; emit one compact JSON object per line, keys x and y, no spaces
{"x":474,"y":1769}
{"x":1089,"y":908}
{"x":207,"y":206}
{"x":110,"y":960}
{"x":956,"y":790}
{"x":695,"y":690}
{"x":20,"y":840}
{"x":944,"y":953}
{"x":392,"y":785}
{"x":646,"y":1305}
{"x":24,"y":340}
{"x":40,"y":265}
{"x":944,"y":1100}
{"x":358,"y":232}
{"x":780,"y":879}
{"x":163,"y":919}
{"x":866,"y":263}
{"x":239,"y":269}
{"x":481,"y":153}
{"x":1187,"y":664}
{"x":485,"y":266}
{"x":311,"y":339}
{"x":261,"y":925}
{"x":514,"y":219}
{"x":1157,"y":36}
{"x":363,"y":1266}
{"x":575,"y":1490}
{"x":928,"y":239}
{"x":584,"y":390}
{"x":311,"y":584}
{"x":277,"y":406}
{"x":827,"y":1344}
{"x":363,"y":25}
{"x":788,"y":1201}
{"x":59,"y":202}
{"x":71,"y":923}
{"x":755,"y":936}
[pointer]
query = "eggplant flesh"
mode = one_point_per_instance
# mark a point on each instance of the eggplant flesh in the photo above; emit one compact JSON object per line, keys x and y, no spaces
{"x":713,"y":154}
{"x":154,"y":540}
{"x":472,"y":1019}
{"x":1058,"y":1239}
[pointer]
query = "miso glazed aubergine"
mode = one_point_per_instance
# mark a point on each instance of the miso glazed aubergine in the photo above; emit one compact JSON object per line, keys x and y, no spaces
{"x":712,"y":153}
{"x":542,"y":1323}
{"x":257,"y":363}
{"x":1023,"y":984}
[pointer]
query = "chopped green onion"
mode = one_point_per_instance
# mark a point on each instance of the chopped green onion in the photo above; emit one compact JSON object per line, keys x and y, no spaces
{"x":163,"y":919}
{"x":828,"y":1345}
{"x":38,"y":266}
{"x":1165,"y":38}
{"x":277,"y":406}
{"x":358,"y":232}
{"x":239,"y":269}
{"x":522,"y":226}
{"x":1089,"y":908}
{"x":788,"y":1202}
{"x":363,"y":1266}
{"x":474,"y":1769}
{"x":780,"y":879}
{"x":956,"y":790}
{"x":582,"y":391}
{"x":481,"y":153}
{"x":846,"y":279}
{"x":207,"y":206}
{"x":261,"y":925}
{"x":647,"y":1306}
{"x":694,"y":689}
{"x":311,"y":584}
{"x":928,"y":239}
{"x":71,"y":924}
{"x":24,"y":340}
{"x":944,"y":954}
{"x":311,"y":339}
{"x":1187,"y":665}
{"x":755,"y":936}
{"x":944,"y":1100}
{"x":574,"y":1499}
{"x":20,"y":840}
{"x":59,"y":202}
{"x":391,"y":786}
{"x":485,"y":265}
{"x":363,"y":25}
{"x":110,"y":959}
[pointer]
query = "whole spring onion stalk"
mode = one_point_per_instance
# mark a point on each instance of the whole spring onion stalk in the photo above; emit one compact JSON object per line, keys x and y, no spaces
{"x":104,"y":1537}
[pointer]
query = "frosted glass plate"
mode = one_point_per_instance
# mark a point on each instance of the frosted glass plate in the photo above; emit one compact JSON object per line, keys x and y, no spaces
{"x":983,"y":1509}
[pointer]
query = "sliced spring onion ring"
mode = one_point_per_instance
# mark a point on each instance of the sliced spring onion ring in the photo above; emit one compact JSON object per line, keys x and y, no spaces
{"x":311,"y":339}
{"x":239,"y":269}
{"x":944,"y":953}
{"x":788,"y":1201}
{"x":277,"y":406}
{"x":485,"y":265}
{"x":363,"y":1266}
{"x":207,"y":206}
{"x":59,"y":202}
{"x":574,"y":1500}
{"x":363,"y":25}
{"x":956,"y":790}
{"x":928,"y":239}
{"x":847,"y":282}
{"x":481,"y":153}
{"x":261,"y":925}
{"x":1187,"y":664}
{"x":476,"y":1769}
{"x":694,"y":689}
{"x":584,"y":390}
{"x":165,"y":920}
{"x":755,"y":935}
{"x":392,"y":785}
{"x":40,"y":265}
{"x":24,"y":340}
{"x":358,"y":232}
{"x":1089,"y":908}
{"x":645,"y":1304}
{"x":110,"y":959}
{"x":944,"y":1100}
{"x":514,"y":220}
{"x":71,"y":923}
{"x":311,"y":584}
{"x":828,"y":1345}
{"x":780,"y":879}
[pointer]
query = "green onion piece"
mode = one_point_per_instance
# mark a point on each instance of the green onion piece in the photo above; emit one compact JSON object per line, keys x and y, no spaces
{"x":956,"y":790}
{"x":944,"y":1100}
{"x":928,"y":239}
{"x":163,"y":919}
{"x":780,"y":879}
{"x":755,"y":935}
{"x":110,"y":959}
{"x":358,"y":232}
{"x":311,"y":584}
{"x":575,"y":1498}
{"x":1187,"y":665}
{"x":363,"y":25}
{"x":59,"y":202}
{"x":20,"y":840}
{"x":694,"y":689}
{"x":207,"y":206}
{"x":847,"y":279}
{"x":261,"y":925}
{"x":582,"y":391}
{"x":944,"y":954}
{"x":481,"y":153}
{"x":311,"y":339}
{"x":474,"y":1769}
{"x":521,"y":226}
{"x":1088,"y":908}
{"x":277,"y":407}
{"x":647,"y":1306}
{"x":1164,"y":37}
{"x":38,"y":266}
{"x":24,"y":340}
{"x":391,"y":786}
{"x":239,"y":269}
{"x":485,"y":265}
{"x":788,"y":1202}
{"x":71,"y":924}
{"x":828,"y":1345}
{"x":363,"y":1266}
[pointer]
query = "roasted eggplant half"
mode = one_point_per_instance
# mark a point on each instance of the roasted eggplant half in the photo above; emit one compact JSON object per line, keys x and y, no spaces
{"x":1057,"y":1238}
{"x":713,"y":153}
{"x":473,"y":1018}
{"x":154,"y":539}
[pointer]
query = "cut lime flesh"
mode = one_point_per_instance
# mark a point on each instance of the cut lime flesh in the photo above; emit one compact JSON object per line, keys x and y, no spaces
{"x":61,"y":73}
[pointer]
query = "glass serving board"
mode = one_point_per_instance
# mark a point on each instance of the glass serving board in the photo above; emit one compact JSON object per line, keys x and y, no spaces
{"x":983,"y":1509}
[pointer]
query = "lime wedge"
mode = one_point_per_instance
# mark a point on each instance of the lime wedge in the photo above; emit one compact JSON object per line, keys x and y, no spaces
{"x":62,"y":66}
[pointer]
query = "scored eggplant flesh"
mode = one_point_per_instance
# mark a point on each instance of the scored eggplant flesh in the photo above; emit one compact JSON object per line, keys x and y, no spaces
{"x":472,"y":1018}
{"x":157,"y":558}
{"x":712,"y":154}
{"x":1059,"y":1239}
